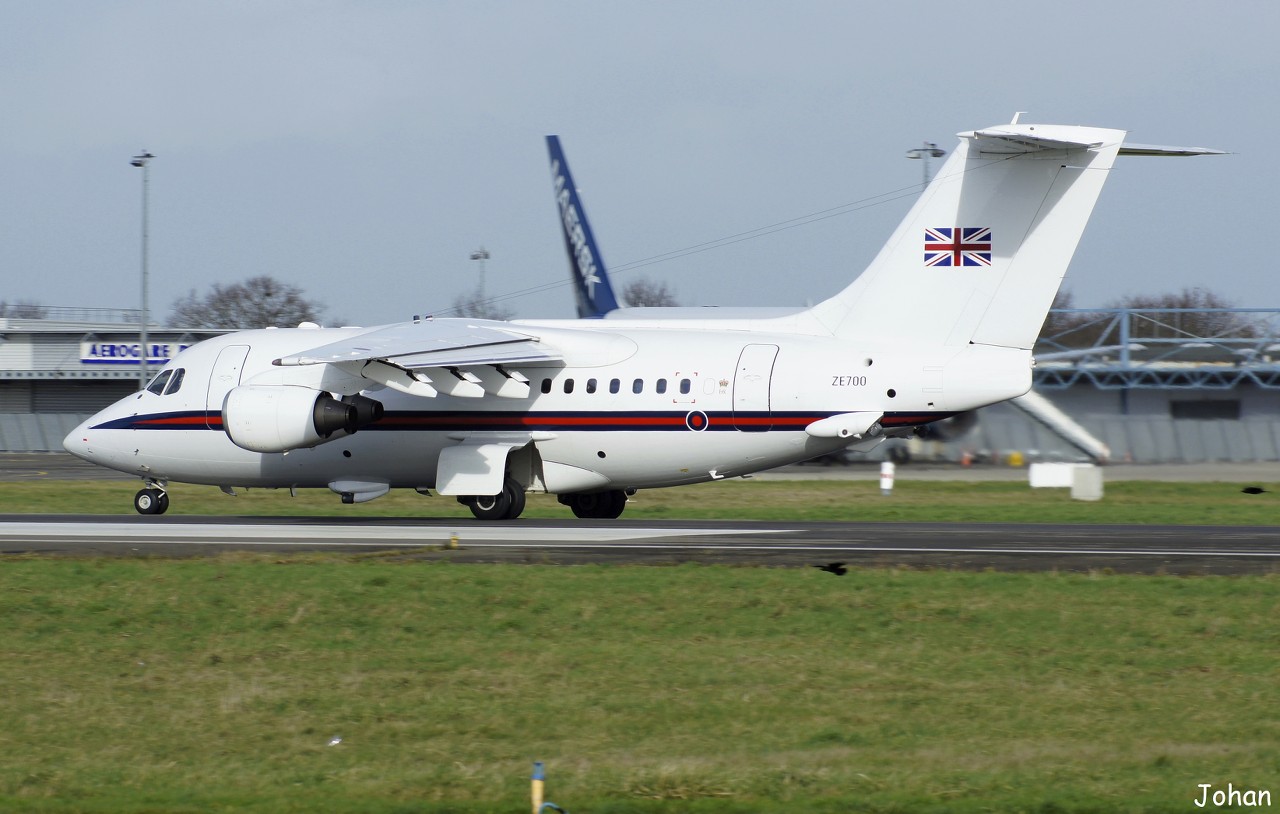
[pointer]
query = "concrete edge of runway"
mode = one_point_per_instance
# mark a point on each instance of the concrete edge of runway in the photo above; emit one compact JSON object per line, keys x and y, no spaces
{"x":1006,"y":547}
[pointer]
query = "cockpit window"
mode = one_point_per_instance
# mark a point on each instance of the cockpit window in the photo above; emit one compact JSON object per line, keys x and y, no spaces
{"x":158,"y":383}
{"x":176,"y":381}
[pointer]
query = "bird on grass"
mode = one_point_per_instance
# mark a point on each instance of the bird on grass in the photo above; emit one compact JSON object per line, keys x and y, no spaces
{"x":1253,"y":490}
{"x":836,"y":568}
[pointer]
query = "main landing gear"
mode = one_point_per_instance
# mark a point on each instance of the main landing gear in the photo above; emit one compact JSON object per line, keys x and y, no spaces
{"x":506,"y":505}
{"x":596,"y":505}
{"x":151,"y":500}
{"x":509,"y":504}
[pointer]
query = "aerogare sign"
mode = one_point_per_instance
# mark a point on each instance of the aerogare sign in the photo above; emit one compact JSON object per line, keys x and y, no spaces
{"x":129,"y":353}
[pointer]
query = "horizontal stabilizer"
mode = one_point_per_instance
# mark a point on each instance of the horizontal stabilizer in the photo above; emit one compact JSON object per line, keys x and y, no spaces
{"x":1157,"y":149}
{"x":1020,"y":139}
{"x":1013,"y":139}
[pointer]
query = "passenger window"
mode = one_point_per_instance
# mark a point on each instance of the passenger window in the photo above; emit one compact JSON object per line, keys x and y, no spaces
{"x":591,"y":385}
{"x":568,"y":385}
{"x":684,"y":385}
{"x":614,"y":385}
{"x":661,"y":386}
{"x":546,"y":385}
{"x":176,"y":381}
{"x":637,"y":386}
{"x":158,"y":383}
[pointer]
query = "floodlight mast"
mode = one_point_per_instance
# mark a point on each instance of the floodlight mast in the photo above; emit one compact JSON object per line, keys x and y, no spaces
{"x":481,"y":254}
{"x":143,"y":160}
{"x":929,"y":150}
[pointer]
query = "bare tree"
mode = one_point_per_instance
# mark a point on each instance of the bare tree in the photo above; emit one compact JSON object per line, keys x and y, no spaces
{"x":644,"y":292}
{"x":475,"y":306}
{"x":259,"y":302}
{"x":1190,"y":312}
{"x":1173,"y":323}
{"x":23,"y":309}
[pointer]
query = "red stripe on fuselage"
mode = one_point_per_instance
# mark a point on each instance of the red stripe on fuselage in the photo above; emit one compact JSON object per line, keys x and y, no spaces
{"x":179,"y":421}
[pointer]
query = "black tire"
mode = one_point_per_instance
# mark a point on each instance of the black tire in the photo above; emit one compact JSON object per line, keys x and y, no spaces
{"x":582,"y":506}
{"x":614,"y":504}
{"x":598,"y":505}
{"x":515,"y":494}
{"x":489,"y":507}
{"x":507,"y":505}
{"x":150,"y":501}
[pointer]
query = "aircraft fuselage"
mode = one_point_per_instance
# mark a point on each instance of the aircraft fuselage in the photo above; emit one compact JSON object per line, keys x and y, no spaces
{"x":630,"y":407}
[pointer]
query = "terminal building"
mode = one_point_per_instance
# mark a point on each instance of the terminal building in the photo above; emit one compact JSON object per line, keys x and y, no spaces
{"x":1144,"y":386}
{"x":58,"y":366}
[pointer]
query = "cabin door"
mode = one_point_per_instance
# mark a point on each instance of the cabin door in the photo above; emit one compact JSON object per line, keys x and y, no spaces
{"x":751,"y":388}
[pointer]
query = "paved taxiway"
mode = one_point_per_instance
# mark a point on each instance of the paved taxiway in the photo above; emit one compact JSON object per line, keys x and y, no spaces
{"x":1141,"y":549}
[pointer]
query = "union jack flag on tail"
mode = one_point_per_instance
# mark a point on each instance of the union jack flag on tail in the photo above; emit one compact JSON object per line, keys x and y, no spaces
{"x":958,"y":246}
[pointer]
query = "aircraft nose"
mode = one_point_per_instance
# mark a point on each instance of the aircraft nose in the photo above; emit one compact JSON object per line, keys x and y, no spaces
{"x":77,"y":442}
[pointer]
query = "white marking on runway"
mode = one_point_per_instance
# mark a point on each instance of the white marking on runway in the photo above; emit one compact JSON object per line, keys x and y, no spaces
{"x":328,"y":535}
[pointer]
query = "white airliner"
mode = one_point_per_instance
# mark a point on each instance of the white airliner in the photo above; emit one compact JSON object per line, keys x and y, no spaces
{"x":942,"y":321}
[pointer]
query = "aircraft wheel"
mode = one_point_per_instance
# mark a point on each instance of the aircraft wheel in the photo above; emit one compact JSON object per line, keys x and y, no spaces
{"x":488,"y":507}
{"x":598,"y":505}
{"x":517,"y":497}
{"x":614,"y":504}
{"x":585,"y":506}
{"x":506,"y":505}
{"x":151,"y":501}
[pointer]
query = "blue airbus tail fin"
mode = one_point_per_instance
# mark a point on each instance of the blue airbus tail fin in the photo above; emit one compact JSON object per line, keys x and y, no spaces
{"x":590,"y":281}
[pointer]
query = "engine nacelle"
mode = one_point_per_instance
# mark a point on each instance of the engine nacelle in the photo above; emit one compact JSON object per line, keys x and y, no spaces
{"x":274,"y":418}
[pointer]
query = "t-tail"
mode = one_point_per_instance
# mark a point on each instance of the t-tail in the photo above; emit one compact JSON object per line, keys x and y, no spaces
{"x":979,"y":258}
{"x":591,"y":286}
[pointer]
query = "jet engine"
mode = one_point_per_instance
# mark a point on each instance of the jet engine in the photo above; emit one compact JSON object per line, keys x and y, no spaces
{"x":274,"y":418}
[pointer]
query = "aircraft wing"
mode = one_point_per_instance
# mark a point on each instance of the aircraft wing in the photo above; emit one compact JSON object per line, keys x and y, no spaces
{"x":432,"y":343}
{"x":457,"y":357}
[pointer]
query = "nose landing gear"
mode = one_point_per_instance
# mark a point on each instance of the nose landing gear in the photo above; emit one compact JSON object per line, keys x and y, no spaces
{"x":151,"y":500}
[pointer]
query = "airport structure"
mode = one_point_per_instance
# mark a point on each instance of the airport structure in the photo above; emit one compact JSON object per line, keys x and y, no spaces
{"x":1166,"y":385}
{"x":58,"y":366}
{"x":1147,"y":385}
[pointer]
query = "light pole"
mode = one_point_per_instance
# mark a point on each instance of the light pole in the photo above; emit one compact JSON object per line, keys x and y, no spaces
{"x":929,"y":150}
{"x":481,"y":254}
{"x":143,"y":160}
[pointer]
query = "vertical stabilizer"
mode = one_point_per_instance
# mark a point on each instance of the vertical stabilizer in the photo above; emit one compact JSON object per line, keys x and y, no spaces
{"x":590,"y":282}
{"x":980,"y":256}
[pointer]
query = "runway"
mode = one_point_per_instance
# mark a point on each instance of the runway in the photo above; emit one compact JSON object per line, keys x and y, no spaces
{"x":1136,"y":549}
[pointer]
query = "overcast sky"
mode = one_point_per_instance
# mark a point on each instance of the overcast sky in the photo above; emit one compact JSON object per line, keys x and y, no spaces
{"x":363,"y":151}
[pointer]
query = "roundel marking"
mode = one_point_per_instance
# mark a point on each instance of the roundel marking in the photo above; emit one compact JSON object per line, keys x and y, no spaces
{"x":696,"y":421}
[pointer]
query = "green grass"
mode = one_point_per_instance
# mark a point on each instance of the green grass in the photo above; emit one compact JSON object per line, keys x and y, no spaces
{"x":941,"y":501}
{"x":216,"y":684}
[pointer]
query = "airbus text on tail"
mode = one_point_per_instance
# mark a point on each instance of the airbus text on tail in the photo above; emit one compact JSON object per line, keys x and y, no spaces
{"x":590,"y":281}
{"x":941,"y":322}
